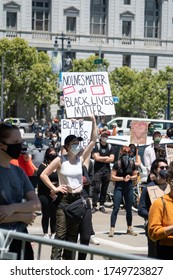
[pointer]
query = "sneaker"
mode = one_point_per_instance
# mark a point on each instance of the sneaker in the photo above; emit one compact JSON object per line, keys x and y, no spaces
{"x":94,"y":210}
{"x":131,"y":232}
{"x":94,"y":241}
{"x":111,"y":232}
{"x":46,"y":235}
{"x":102,"y":209}
{"x":52,"y":236}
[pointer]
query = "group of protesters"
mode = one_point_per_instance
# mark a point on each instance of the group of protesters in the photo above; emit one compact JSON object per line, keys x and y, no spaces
{"x":50,"y":178}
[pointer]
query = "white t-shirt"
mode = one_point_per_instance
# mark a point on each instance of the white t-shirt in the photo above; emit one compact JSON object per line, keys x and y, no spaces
{"x":70,"y":174}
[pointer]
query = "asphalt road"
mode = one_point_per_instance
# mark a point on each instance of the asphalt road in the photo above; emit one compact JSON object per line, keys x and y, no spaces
{"x":120,"y":243}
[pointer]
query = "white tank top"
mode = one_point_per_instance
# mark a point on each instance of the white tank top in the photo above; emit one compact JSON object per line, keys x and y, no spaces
{"x":70,"y":174}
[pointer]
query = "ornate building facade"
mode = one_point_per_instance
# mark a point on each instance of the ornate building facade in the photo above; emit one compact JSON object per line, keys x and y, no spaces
{"x":136,"y":33}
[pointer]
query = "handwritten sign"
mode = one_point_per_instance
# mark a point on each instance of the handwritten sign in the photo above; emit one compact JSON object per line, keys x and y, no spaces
{"x":87,"y":94}
{"x":156,"y":192}
{"x":78,"y":127}
{"x":169,"y":154}
{"x":138,"y":132}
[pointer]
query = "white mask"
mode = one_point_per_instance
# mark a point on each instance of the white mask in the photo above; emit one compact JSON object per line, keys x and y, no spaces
{"x":54,"y":139}
{"x":75,"y":149}
{"x":104,"y":139}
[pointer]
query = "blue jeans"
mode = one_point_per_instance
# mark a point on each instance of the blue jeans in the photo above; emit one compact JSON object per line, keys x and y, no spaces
{"x":122,"y":190}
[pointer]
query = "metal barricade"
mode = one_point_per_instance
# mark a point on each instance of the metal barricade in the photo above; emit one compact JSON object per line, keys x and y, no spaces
{"x":92,"y":253}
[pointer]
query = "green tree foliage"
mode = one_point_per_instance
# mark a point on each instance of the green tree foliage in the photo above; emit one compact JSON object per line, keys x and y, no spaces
{"x":28,"y":74}
{"x":140,"y":91}
{"x":87,"y":65}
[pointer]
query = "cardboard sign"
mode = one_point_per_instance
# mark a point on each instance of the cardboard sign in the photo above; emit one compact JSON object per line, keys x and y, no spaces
{"x":87,"y":94}
{"x":169,"y":154}
{"x":155,"y":192}
{"x":138,"y":132}
{"x":77,"y":127}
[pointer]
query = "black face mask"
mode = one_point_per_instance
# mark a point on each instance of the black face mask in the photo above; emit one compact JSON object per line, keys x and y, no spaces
{"x":13,"y":150}
{"x":51,"y":157}
{"x":125,"y":160}
{"x":163,"y":174}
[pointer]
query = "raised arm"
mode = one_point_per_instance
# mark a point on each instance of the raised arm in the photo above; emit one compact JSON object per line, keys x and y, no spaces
{"x":93,"y":140}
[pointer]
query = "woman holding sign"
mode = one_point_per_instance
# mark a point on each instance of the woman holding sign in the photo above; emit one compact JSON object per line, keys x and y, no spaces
{"x":69,"y":168}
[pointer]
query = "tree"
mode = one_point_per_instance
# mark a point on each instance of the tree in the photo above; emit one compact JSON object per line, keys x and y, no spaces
{"x":27,"y":74}
{"x":87,"y":65}
{"x":139,"y":91}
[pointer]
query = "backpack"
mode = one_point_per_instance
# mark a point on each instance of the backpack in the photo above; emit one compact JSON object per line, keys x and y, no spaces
{"x":131,"y":164}
{"x":99,"y":146}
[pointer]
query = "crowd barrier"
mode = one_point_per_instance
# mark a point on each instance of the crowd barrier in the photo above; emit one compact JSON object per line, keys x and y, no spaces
{"x":92,"y":253}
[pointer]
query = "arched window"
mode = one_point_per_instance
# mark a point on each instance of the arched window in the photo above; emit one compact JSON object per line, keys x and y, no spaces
{"x":152,"y":19}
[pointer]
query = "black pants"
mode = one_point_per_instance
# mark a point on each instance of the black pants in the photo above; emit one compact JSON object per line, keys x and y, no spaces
{"x":85,"y":230}
{"x":48,"y":214}
{"x":16,"y":246}
{"x":164,"y":252}
{"x":101,"y":181}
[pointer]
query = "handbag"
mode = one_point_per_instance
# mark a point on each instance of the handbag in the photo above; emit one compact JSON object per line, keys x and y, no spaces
{"x":75,"y":210}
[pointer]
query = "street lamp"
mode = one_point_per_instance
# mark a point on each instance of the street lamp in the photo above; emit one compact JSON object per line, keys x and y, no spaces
{"x":2,"y":88}
{"x":169,"y":85}
{"x":63,"y":38}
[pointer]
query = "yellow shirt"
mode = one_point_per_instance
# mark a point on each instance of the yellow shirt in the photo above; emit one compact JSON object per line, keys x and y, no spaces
{"x":160,"y":216}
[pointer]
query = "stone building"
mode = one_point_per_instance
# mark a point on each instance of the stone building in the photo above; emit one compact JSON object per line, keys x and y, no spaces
{"x":135,"y":33}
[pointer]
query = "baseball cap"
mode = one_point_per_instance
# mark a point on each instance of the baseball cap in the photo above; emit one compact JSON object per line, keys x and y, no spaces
{"x":105,"y":131}
{"x":70,"y":138}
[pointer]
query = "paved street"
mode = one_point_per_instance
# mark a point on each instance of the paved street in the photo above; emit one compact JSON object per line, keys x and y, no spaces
{"x":120,"y":243}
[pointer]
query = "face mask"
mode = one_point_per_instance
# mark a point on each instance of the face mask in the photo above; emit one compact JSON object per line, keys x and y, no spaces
{"x":104,"y":139}
{"x":125,"y":160}
{"x":133,"y":151}
{"x":163,"y":174}
{"x":157,"y":140}
{"x":75,"y":149}
{"x":51,"y":157}
{"x":13,"y":150}
{"x":151,"y":130}
{"x":54,"y":139}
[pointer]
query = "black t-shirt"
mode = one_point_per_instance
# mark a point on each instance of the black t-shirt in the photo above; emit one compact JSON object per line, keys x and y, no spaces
{"x":42,"y":188}
{"x":103,"y":150}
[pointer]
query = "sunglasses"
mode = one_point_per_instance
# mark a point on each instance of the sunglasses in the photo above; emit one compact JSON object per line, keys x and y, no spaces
{"x":163,"y":167}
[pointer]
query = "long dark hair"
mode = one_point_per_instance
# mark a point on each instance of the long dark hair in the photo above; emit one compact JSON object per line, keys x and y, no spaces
{"x":48,"y":151}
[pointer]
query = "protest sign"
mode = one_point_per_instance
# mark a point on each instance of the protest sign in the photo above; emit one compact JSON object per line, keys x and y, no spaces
{"x":87,"y":94}
{"x":169,"y":153}
{"x":138,"y":132}
{"x":155,"y":192}
{"x":77,"y":127}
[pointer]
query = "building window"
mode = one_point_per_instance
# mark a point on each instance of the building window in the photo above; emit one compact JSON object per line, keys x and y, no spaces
{"x":41,"y":15}
{"x":99,"y":54}
{"x":98,"y":20}
{"x":153,"y":62}
{"x":152,"y":19}
{"x":126,"y":28}
{"x":71,"y":25}
{"x":127,"y":2}
{"x":126,"y":60}
{"x":11,"y":20}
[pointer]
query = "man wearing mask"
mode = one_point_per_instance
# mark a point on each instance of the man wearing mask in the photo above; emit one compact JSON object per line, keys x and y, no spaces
{"x":150,"y":152}
{"x":103,"y":155}
{"x":157,"y":176}
{"x":37,"y":152}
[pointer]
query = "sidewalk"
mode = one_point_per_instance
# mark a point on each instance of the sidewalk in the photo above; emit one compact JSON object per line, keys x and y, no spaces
{"x":120,"y":243}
